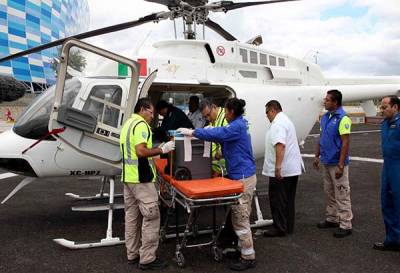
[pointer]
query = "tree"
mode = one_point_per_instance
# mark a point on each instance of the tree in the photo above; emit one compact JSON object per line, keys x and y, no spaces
{"x":10,"y":88}
{"x":76,"y":60}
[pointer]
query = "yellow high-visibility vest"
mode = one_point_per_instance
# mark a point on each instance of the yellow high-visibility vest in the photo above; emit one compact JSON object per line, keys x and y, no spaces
{"x":134,"y":169}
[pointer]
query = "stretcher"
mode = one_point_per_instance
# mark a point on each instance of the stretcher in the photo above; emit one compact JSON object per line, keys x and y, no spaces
{"x":192,"y":195}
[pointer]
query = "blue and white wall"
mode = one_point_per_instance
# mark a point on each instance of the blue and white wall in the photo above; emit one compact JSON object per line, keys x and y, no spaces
{"x":29,"y":23}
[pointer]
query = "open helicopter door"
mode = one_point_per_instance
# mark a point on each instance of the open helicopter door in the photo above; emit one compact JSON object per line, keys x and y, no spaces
{"x":88,"y":116}
{"x":144,"y":89}
{"x":91,"y":121}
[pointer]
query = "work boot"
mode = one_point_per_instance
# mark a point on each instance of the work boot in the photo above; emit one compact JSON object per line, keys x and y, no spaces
{"x":326,"y":224}
{"x":154,"y":265}
{"x":340,"y":233}
{"x":386,"y":247}
{"x":242,"y":264}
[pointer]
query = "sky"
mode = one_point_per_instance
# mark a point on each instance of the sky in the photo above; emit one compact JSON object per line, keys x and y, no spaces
{"x":346,"y":38}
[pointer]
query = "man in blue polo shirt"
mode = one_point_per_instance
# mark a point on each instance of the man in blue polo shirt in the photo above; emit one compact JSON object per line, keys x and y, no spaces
{"x":390,"y":188}
{"x":333,"y":152}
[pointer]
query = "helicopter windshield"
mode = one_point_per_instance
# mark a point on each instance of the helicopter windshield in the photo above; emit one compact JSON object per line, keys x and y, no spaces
{"x":34,"y":122}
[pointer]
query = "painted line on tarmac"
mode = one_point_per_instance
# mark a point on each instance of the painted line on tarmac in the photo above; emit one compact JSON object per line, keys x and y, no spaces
{"x":355,"y":132}
{"x":7,"y":175}
{"x":354,"y":158}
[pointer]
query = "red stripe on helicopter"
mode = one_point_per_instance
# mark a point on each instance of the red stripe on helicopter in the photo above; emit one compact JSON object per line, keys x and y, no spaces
{"x":143,"y":67}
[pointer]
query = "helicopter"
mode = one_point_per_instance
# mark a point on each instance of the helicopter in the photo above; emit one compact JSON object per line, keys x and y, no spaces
{"x":72,"y":129}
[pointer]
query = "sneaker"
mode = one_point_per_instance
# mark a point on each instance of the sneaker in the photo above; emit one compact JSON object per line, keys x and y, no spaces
{"x":134,"y":261}
{"x":242,"y":264}
{"x":340,"y":233}
{"x":154,"y":265}
{"x":326,"y":224}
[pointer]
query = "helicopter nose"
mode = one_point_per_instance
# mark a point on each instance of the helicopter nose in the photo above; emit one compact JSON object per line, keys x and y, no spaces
{"x":11,"y":158}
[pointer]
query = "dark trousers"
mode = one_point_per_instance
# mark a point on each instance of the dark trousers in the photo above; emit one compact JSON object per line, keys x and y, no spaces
{"x":390,"y":200}
{"x":282,"y":195}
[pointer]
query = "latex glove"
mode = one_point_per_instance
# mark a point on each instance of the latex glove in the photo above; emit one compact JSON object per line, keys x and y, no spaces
{"x":168,"y":147}
{"x":185,"y":131}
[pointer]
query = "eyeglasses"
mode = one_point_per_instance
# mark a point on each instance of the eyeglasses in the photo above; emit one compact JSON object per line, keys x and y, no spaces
{"x":148,"y":110}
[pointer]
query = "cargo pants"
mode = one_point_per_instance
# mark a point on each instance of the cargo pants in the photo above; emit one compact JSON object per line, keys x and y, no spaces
{"x":338,"y":203}
{"x":142,"y":221}
{"x":241,"y":219}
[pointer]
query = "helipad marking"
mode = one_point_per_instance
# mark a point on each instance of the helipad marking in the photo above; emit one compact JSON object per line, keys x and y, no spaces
{"x":355,"y":132}
{"x":354,"y":158}
{"x":7,"y":175}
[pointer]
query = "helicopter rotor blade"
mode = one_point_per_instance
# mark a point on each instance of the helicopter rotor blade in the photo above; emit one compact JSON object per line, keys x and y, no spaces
{"x":226,"y":6}
{"x":220,"y":30}
{"x":146,"y":19}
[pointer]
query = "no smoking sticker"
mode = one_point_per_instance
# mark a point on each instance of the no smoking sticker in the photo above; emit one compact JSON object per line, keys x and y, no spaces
{"x":220,"y":50}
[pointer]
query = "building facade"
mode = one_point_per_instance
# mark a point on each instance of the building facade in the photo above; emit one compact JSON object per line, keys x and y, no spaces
{"x":28,"y":23}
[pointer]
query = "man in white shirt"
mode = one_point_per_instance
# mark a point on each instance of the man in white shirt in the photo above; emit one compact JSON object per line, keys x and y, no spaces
{"x":283,"y":165}
{"x":194,"y":114}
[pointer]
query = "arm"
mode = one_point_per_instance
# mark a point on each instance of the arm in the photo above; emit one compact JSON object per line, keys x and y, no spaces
{"x":316,"y":158}
{"x":344,"y":131}
{"x":280,"y":152}
{"x":343,"y":152}
{"x":219,"y":134}
{"x":142,"y":150}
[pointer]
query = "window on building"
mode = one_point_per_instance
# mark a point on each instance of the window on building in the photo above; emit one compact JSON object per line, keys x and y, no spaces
{"x":253,"y":57}
{"x":243,"y":53}
{"x":263,"y":59}
{"x":272,"y":60}
{"x":281,"y":61}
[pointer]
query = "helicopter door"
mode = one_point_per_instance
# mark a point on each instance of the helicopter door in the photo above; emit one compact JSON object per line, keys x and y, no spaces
{"x":144,"y":89}
{"x":90,"y":118}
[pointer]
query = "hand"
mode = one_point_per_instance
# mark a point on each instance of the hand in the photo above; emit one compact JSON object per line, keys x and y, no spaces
{"x":278,"y":175}
{"x":168,"y":147}
{"x":339,"y":172}
{"x":316,"y":163}
{"x":185,"y":131}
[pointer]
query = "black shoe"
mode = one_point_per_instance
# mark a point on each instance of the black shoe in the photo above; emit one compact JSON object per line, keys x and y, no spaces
{"x":327,"y":224}
{"x":340,"y":233}
{"x":386,"y":247}
{"x":154,"y":265}
{"x":134,"y":261}
{"x":242,"y":264}
{"x":273,"y":233}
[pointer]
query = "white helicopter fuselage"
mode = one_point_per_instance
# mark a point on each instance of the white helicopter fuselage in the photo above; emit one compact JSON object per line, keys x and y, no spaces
{"x":242,"y":70}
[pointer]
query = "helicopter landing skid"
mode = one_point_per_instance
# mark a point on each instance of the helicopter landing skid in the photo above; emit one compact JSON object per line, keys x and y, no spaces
{"x":93,"y":197}
{"x":109,"y":240}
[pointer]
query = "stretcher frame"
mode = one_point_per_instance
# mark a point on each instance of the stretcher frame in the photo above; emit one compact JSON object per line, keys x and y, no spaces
{"x":173,"y":198}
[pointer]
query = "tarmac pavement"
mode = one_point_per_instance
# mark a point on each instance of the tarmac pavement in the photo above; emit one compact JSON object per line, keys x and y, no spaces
{"x":41,"y":212}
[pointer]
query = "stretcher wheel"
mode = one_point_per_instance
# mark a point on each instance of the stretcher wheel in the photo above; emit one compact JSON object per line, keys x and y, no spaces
{"x":180,"y":259}
{"x":183,"y":173}
{"x":217,"y":253}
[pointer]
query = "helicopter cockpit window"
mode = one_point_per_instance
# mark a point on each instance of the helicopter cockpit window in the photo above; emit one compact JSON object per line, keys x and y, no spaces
{"x":34,"y":122}
{"x":253,"y":57}
{"x":104,"y":102}
{"x":263,"y":59}
{"x":243,"y":53}
{"x":272,"y":60}
{"x":281,"y":61}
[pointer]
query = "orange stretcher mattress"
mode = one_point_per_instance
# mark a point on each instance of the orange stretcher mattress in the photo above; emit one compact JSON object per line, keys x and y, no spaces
{"x":201,"y":188}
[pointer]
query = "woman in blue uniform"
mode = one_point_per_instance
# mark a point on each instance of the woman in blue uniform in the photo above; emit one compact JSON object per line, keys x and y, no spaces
{"x":237,"y":149}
